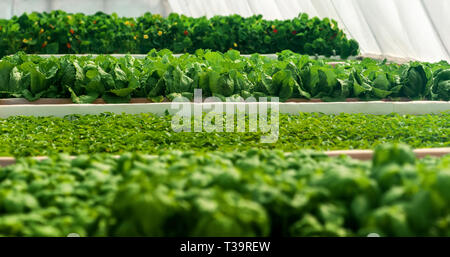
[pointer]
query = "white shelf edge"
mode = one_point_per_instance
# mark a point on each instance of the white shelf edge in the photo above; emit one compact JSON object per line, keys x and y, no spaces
{"x":375,"y":107}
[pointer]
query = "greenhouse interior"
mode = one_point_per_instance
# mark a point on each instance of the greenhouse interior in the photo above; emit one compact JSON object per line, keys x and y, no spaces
{"x":225,"y":118}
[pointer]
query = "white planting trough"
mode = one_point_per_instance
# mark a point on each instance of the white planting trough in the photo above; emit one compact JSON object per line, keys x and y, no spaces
{"x":375,"y":107}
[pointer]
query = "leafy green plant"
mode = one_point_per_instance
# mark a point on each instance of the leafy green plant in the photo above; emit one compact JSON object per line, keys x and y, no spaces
{"x":61,"y":32}
{"x":415,"y":81}
{"x":441,"y":85}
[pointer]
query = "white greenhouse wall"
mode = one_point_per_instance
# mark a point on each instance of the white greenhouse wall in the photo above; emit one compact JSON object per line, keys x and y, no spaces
{"x":415,"y":29}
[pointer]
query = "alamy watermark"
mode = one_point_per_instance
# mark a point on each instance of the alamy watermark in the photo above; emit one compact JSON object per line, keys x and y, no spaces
{"x":215,"y":115}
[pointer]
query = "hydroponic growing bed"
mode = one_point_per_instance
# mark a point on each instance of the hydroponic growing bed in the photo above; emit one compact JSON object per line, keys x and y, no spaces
{"x":161,"y":75}
{"x":250,"y":193}
{"x":149,"y":133}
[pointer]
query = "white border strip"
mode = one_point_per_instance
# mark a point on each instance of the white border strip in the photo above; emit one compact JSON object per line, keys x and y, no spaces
{"x":376,"y":107}
{"x":394,"y":59}
{"x":142,"y":56}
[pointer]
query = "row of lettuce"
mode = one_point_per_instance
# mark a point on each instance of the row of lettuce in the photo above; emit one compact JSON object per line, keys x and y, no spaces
{"x":61,"y":32}
{"x":161,"y":74}
{"x":249,"y":193}
{"x":150,"y":134}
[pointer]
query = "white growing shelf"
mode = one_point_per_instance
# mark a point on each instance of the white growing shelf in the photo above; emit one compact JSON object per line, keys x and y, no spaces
{"x":375,"y":107}
{"x":372,"y":107}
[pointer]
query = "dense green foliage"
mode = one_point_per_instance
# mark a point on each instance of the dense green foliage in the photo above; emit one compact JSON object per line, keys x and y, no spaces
{"x":60,"y":32}
{"x":441,"y":84}
{"x":161,"y":74}
{"x":241,"y":193}
{"x":147,"y":133}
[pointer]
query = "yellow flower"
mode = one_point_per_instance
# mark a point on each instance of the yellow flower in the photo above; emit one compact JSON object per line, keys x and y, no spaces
{"x":135,"y":37}
{"x":273,"y":26}
{"x":69,"y":17}
{"x":235,"y":45}
{"x":176,"y":23}
{"x":41,"y":31}
{"x":127,"y":23}
{"x":160,"y":33}
{"x":49,"y":38}
{"x":145,"y":36}
{"x":25,"y":40}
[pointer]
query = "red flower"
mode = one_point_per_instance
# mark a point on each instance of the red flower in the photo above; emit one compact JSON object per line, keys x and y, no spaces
{"x":275,"y":31}
{"x":95,"y":22}
{"x":71,"y":31}
{"x":185,"y":32}
{"x":68,"y":45}
{"x":44,"y":44}
{"x":333,"y":36}
{"x":294,"y":32}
